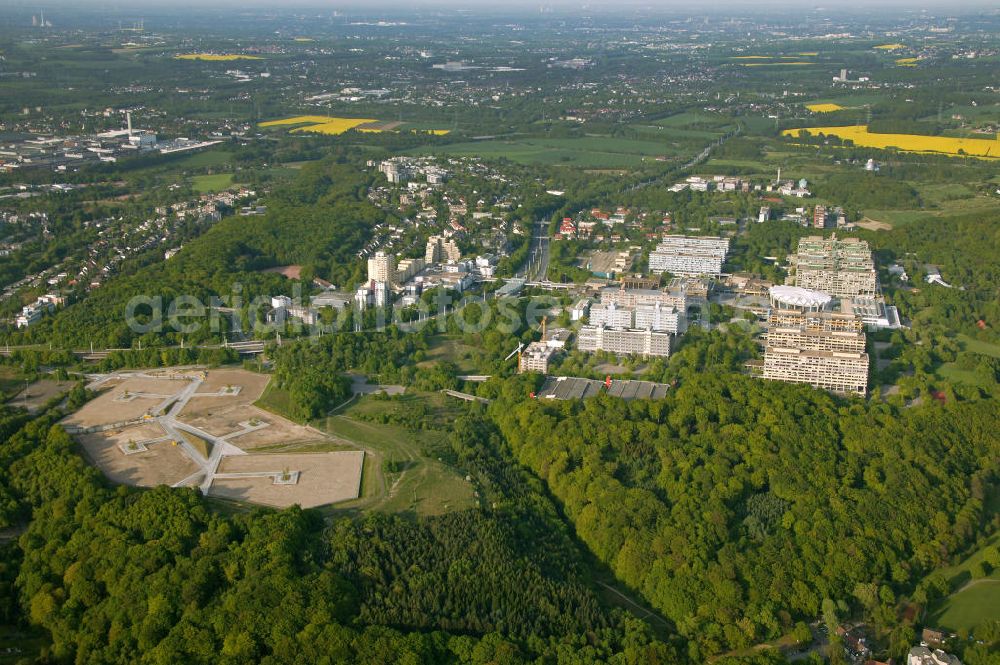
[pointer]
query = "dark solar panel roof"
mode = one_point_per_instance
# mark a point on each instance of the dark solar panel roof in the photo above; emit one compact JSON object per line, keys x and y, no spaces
{"x":576,"y":388}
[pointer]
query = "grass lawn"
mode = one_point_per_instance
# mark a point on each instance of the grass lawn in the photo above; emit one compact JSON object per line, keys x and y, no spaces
{"x":11,"y":382}
{"x":979,"y":346}
{"x":398,"y":475}
{"x":24,"y":645}
{"x":952,"y":372}
{"x":974,"y":600}
{"x":970,"y":607}
{"x":204,"y":159}
{"x":211,"y":183}
{"x":448,"y":348}
{"x":277,"y":400}
{"x":417,"y":481}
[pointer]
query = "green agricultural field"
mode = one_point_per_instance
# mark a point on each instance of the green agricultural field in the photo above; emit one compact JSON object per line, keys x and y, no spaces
{"x":204,"y":159}
{"x":950,"y":209}
{"x":585,"y":152}
{"x":692,"y":119}
{"x":661,"y":133}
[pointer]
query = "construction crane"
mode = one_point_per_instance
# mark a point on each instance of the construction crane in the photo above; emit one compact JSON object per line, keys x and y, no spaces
{"x":545,"y":320}
{"x":510,"y":355}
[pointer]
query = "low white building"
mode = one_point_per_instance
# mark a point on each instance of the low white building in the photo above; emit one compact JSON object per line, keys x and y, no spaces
{"x":922,"y":655}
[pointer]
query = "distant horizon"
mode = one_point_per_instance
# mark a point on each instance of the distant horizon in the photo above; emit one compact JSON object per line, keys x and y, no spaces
{"x":520,"y":6}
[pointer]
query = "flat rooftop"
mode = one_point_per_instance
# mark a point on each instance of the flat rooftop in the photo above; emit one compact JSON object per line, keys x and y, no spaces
{"x":568,"y":387}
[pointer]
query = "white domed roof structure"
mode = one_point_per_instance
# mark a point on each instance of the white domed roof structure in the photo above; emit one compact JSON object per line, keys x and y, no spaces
{"x":796,"y":296}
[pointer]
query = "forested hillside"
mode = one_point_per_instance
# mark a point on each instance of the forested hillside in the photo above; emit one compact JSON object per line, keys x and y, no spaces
{"x":157,"y":576}
{"x":736,"y":506}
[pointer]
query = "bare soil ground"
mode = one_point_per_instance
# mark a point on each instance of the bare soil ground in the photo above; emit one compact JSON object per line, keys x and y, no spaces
{"x":323,"y":478}
{"x":226,"y":419}
{"x":162,"y":464}
{"x":291,"y":272}
{"x":39,"y":393}
{"x":251,"y":384}
{"x":874,"y":225}
{"x":105,"y":409}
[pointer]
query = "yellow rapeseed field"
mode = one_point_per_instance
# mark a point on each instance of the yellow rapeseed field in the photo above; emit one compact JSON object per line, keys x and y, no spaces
{"x":216,"y":57}
{"x":774,"y":64}
{"x":824,"y":108}
{"x":944,"y":145}
{"x":907,"y":62}
{"x":890,"y":47}
{"x":324,"y":124}
{"x":321,"y":124}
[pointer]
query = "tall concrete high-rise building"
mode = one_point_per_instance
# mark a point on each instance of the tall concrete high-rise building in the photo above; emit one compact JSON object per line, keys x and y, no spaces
{"x":824,"y":349}
{"x":440,"y":249}
{"x":382,"y":268}
{"x":840,"y":267}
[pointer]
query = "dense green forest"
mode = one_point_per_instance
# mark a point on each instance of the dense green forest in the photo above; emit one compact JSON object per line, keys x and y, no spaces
{"x":737,"y":506}
{"x":312,"y":371}
{"x":127,"y":575}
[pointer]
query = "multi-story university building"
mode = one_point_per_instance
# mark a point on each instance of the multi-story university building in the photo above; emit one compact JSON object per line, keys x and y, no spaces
{"x":689,"y":255}
{"x":628,"y":342}
{"x":622,"y":297}
{"x":643,"y":317}
{"x":823,"y":349}
{"x":837,"y":371}
{"x":840,"y":267}
{"x":611,"y":316}
{"x":536,"y":357}
{"x":660,"y":319}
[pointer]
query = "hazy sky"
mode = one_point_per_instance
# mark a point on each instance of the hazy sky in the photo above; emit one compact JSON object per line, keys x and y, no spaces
{"x":534,"y":5}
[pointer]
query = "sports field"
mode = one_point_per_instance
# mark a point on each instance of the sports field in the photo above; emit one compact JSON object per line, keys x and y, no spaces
{"x":211,"y":183}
